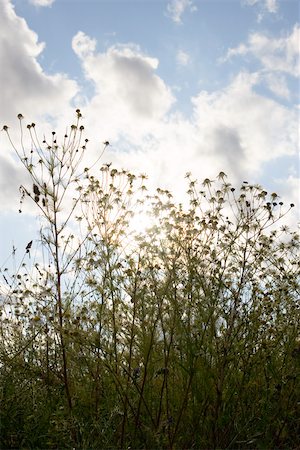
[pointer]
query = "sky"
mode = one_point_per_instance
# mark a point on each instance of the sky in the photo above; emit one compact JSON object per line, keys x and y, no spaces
{"x":175,"y":86}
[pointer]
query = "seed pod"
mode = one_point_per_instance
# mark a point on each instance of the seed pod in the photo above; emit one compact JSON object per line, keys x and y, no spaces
{"x":36,"y":190}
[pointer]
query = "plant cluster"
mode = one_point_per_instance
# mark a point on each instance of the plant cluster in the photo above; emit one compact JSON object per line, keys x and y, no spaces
{"x":184,"y":335}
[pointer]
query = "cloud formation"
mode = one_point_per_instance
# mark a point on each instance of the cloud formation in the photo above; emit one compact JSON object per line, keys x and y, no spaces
{"x":10,"y":178}
{"x":25,"y":88}
{"x":183,"y":58}
{"x":176,"y":9}
{"x":243,"y":128}
{"x":279,"y":59}
{"x":83,"y":45}
{"x":41,"y":2}
{"x":24,"y":84}
{"x":277,"y":84}
{"x":276,"y":54}
{"x":270,"y":6}
{"x":128,"y":92}
{"x":234,"y":129}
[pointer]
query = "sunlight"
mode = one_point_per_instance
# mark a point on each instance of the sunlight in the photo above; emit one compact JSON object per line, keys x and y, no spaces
{"x":142,"y":220}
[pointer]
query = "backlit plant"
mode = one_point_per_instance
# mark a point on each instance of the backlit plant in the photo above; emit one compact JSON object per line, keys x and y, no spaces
{"x":184,"y":334}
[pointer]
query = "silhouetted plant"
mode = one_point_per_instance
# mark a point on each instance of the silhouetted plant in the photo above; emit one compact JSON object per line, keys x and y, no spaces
{"x":182,"y":335}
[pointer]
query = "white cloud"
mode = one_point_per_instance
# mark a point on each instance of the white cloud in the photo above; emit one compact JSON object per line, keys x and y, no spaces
{"x":183,"y":58}
{"x":41,"y":2}
{"x":281,"y":54}
{"x":243,"y":128}
{"x":11,"y":177}
{"x":83,"y":45}
{"x":128,"y":93}
{"x":277,"y":84}
{"x":289,"y":188}
{"x":176,"y":9}
{"x":279,"y":58}
{"x":270,"y":6}
{"x":275,"y":54}
{"x":240,"y":50}
{"x":234,"y":129}
{"x":25,"y":86}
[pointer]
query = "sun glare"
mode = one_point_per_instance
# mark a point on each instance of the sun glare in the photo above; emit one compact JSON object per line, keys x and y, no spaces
{"x":142,"y":220}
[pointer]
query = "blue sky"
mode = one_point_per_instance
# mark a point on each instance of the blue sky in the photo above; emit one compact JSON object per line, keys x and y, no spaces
{"x":174,"y":85}
{"x":204,"y":32}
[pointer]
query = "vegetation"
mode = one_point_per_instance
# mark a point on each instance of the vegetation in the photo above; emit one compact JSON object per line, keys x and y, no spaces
{"x":182,"y":336}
